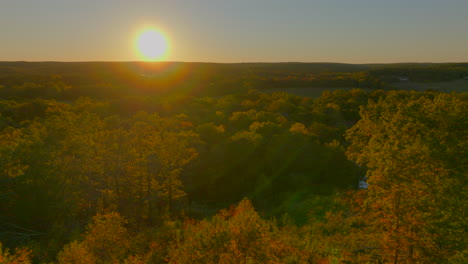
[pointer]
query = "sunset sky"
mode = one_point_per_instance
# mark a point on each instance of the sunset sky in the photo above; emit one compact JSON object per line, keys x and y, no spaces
{"x":353,"y":31}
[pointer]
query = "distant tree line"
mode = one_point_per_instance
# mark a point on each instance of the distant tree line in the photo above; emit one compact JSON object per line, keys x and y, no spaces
{"x":69,"y":81}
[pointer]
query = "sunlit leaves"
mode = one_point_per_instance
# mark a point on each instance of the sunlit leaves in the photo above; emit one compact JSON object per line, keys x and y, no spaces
{"x":237,"y":235}
{"x":21,"y":256}
{"x":411,"y":144}
{"x":106,"y":241}
{"x":76,"y":253}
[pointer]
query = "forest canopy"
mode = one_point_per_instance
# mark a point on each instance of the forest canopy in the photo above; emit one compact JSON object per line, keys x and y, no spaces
{"x":191,"y":173}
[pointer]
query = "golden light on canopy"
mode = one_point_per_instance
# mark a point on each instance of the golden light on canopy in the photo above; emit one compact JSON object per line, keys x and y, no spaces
{"x":152,"y":45}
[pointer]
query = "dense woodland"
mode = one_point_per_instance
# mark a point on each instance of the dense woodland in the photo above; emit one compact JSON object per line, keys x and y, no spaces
{"x":193,"y":163}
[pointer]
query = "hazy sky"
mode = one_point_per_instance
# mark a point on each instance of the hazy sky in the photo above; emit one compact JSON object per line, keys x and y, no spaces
{"x":355,"y":31}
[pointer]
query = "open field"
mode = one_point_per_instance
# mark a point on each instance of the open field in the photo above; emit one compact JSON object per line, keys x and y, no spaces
{"x":460,"y":85}
{"x":312,"y":92}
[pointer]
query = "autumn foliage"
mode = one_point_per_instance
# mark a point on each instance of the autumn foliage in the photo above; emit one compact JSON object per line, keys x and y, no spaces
{"x":414,"y":146}
{"x":142,"y":180}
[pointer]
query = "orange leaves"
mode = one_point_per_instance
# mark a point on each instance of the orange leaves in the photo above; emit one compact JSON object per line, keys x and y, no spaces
{"x":405,"y":144}
{"x":106,"y":241}
{"x":21,"y":256}
{"x":76,"y":253}
{"x":237,"y":235}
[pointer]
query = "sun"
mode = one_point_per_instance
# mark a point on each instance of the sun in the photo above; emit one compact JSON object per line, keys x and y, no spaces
{"x":152,"y":45}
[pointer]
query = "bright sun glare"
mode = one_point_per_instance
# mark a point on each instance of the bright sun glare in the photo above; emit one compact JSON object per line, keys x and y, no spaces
{"x":152,"y":45}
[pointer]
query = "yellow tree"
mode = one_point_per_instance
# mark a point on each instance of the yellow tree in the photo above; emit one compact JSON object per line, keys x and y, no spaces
{"x":106,"y":241}
{"x":413,"y":146}
{"x":237,"y":235}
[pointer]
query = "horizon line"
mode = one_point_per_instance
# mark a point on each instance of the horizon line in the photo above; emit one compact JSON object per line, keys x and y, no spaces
{"x":244,"y":62}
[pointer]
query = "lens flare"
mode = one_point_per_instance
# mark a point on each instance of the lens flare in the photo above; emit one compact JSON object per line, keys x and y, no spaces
{"x":152,"y":45}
